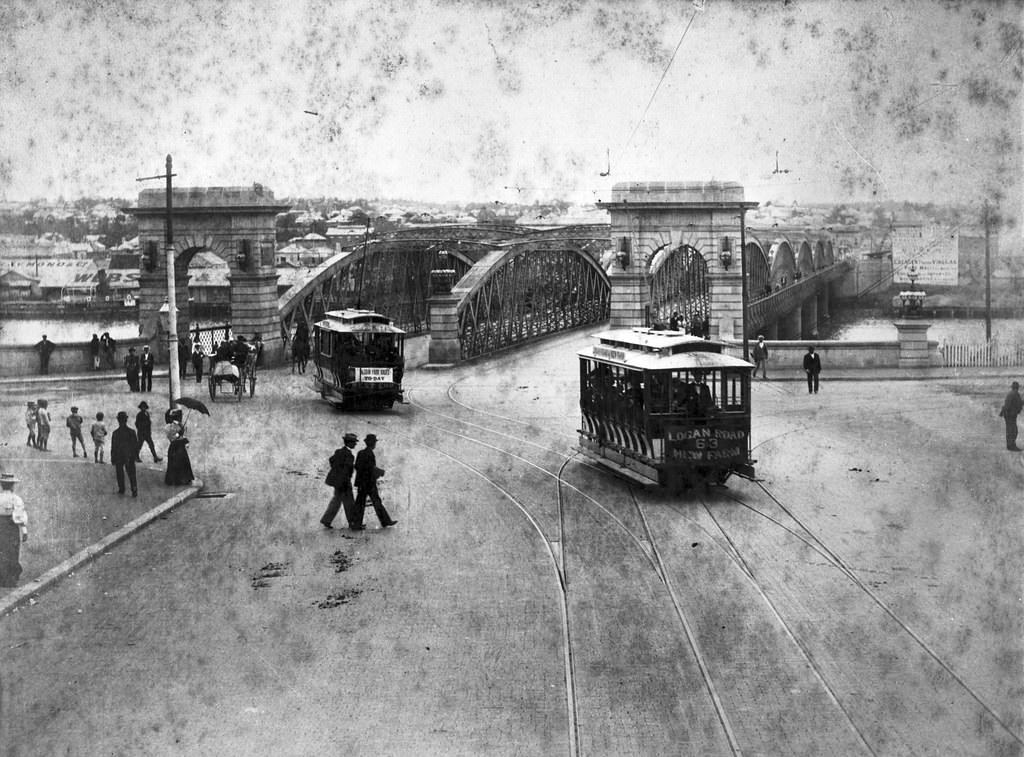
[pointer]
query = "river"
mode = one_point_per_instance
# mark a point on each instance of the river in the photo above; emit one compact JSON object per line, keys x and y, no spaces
{"x":856,"y":327}
{"x":66,"y":330}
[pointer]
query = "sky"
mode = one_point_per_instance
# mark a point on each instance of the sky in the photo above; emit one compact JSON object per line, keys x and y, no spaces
{"x":514,"y":101}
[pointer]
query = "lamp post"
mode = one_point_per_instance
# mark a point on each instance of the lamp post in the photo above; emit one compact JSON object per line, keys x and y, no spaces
{"x":174,"y":377}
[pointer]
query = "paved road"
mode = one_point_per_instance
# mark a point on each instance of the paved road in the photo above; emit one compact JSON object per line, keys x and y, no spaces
{"x":864,"y":599}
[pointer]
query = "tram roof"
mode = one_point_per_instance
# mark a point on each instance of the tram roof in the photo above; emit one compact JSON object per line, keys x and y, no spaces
{"x":646,"y":349}
{"x":351,"y":319}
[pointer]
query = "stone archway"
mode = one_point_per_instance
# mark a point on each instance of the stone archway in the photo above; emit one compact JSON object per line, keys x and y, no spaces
{"x":234,"y":223}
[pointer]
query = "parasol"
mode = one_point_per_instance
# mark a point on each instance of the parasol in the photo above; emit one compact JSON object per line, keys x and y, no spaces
{"x":192,"y":404}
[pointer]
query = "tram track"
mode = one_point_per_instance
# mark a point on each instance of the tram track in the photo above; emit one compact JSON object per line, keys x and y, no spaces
{"x":801,"y":532}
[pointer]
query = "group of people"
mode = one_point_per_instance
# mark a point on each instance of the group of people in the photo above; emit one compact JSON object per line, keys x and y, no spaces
{"x":103,"y":351}
{"x":343,"y":464}
{"x":37,"y":418}
{"x":138,"y":367}
{"x":812,"y":364}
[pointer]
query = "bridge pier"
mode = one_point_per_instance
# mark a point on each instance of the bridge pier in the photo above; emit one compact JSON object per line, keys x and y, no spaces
{"x":630,"y":296}
{"x":790,"y":326}
{"x":254,"y":311}
{"x":809,"y":319}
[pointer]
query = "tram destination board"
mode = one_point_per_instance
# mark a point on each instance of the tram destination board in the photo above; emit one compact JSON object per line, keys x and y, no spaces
{"x":713,"y":445}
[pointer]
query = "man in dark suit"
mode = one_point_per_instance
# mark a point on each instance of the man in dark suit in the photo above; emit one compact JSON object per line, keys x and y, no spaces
{"x":340,"y":477}
{"x":367,"y":474}
{"x":123,"y":446}
{"x":812,"y":366}
{"x":144,"y":430}
{"x":146,"y":362}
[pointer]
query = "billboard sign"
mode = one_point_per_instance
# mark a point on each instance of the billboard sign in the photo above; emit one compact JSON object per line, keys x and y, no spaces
{"x":928,"y":254}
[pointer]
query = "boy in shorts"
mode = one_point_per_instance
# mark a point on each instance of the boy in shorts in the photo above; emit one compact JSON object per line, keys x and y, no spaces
{"x":99,"y":437}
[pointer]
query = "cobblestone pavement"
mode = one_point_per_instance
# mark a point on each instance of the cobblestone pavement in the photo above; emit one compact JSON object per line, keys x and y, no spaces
{"x":865,"y":598}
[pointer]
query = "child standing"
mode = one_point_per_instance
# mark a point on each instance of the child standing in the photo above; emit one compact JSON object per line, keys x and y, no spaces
{"x":43,"y":425}
{"x":99,"y":437}
{"x":75,"y":428}
{"x":30,"y":421}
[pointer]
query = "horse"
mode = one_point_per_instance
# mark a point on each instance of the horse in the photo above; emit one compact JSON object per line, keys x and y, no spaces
{"x":300,"y":354}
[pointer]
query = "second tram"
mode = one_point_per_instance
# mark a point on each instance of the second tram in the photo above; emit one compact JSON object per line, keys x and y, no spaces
{"x":359,"y":357}
{"x":666,"y":407}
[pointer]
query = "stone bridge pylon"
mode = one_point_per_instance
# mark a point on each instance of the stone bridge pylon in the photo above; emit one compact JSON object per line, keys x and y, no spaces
{"x":234,"y":223}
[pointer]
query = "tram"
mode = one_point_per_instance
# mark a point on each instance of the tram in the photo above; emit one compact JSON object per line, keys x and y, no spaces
{"x":360,"y":359}
{"x":665,"y":407}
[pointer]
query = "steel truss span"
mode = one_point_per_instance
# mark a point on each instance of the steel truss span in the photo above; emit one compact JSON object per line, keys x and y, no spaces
{"x":679,"y":284}
{"x":529,"y":293}
{"x":390,"y":278}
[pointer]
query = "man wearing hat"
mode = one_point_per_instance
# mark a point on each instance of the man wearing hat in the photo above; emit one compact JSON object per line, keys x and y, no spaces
{"x":367,"y":474}
{"x":131,"y":370}
{"x":123,"y":446}
{"x":1012,"y":406}
{"x":340,"y":477}
{"x":144,"y":429}
{"x":761,"y":357}
{"x":146,"y":362}
{"x":13,"y":530}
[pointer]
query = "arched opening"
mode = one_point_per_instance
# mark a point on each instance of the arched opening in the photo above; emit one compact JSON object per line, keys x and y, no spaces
{"x":679,"y":285}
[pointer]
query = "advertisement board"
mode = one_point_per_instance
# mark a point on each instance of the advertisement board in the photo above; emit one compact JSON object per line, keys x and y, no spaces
{"x":926,"y":254}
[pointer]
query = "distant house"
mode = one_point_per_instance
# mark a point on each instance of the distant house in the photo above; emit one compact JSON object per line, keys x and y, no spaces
{"x":15,"y":285}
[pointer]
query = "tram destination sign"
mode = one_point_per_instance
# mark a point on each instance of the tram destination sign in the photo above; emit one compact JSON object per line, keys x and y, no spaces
{"x":610,"y":354}
{"x":926,"y":255}
{"x":374,"y":375}
{"x":705,"y":444}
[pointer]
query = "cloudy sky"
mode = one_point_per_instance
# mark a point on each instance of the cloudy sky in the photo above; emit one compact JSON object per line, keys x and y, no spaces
{"x":514,"y":101}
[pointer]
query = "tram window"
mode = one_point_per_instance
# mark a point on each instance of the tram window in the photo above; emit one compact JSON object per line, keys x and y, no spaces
{"x":732,"y":391}
{"x":326,"y":339}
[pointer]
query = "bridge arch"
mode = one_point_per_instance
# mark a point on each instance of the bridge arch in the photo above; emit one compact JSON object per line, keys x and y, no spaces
{"x":527,"y":290}
{"x":758,"y":270}
{"x":679,"y":284}
{"x":390,"y":276}
{"x":804,"y":259}
{"x":782,"y":263}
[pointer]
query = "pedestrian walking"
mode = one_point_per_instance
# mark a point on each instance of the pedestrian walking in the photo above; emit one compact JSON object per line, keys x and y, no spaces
{"x":13,"y":530}
{"x":99,"y":438}
{"x":94,"y":352}
{"x":123,"y":444}
{"x":1012,"y":406}
{"x":43,"y":425}
{"x":45,"y":348}
{"x":146,"y":362}
{"x":74,"y":424}
{"x":30,"y":421}
{"x":367,"y":474}
{"x":197,"y":360}
{"x":340,"y":478}
{"x":131,"y":370}
{"x":761,"y":357}
{"x":812,"y":367}
{"x":179,"y":466}
{"x":144,"y":430}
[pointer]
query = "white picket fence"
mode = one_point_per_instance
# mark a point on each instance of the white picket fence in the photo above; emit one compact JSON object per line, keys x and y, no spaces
{"x":989,"y":354}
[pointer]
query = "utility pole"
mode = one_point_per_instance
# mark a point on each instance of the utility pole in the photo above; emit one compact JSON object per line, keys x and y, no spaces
{"x":988,"y":282}
{"x":174,"y":376}
{"x":743,"y":275}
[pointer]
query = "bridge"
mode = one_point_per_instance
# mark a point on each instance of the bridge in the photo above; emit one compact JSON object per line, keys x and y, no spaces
{"x":667,"y":252}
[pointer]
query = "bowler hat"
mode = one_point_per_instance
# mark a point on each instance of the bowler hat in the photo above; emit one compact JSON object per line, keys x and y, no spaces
{"x":8,"y":478}
{"x":370,"y":438}
{"x":143,"y":405}
{"x":350,"y":437}
{"x":74,"y":409}
{"x":122,"y":415}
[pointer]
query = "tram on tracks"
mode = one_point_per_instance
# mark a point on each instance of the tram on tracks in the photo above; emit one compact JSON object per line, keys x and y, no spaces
{"x":359,"y":359}
{"x":665,"y":407}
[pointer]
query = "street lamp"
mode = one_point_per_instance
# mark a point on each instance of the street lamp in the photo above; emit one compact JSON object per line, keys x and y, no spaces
{"x":726,"y":253}
{"x":622,"y":256}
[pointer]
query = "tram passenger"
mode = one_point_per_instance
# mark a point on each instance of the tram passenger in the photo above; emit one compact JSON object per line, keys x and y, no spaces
{"x":705,"y":404}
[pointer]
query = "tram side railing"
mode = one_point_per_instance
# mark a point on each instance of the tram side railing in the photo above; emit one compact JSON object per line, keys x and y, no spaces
{"x":991,"y":354}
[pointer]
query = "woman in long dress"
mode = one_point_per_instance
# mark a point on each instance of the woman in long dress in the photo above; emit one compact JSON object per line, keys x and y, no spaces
{"x":13,"y":530}
{"x":179,"y":466}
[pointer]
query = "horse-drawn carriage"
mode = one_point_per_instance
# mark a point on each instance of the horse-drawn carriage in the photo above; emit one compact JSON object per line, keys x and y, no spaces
{"x":236,"y":371}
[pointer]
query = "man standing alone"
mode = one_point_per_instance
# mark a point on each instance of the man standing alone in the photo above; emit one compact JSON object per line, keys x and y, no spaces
{"x":123,"y":446}
{"x":45,"y":348}
{"x":812,"y":366}
{"x":144,"y":430}
{"x":1012,"y":406}
{"x":761,"y":357}
{"x":146,"y":364}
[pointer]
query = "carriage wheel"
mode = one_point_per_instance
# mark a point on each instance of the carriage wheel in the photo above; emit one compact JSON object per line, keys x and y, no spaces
{"x":239,"y":388}
{"x":213,"y":388}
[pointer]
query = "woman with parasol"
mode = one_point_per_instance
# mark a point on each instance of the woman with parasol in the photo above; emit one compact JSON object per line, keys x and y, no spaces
{"x":179,"y":466}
